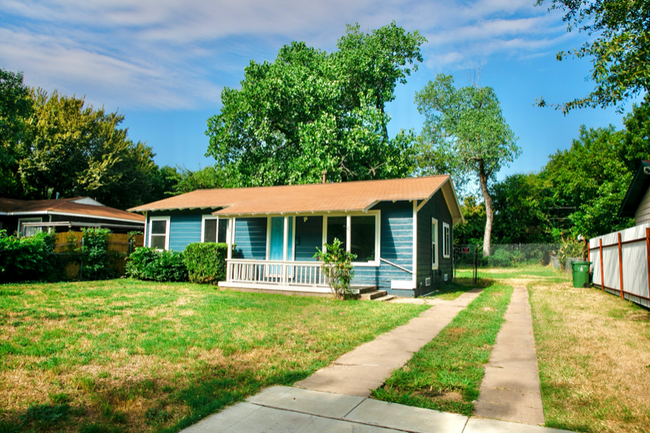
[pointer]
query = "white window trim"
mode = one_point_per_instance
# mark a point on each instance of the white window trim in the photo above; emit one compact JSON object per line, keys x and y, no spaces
{"x":348,"y":232}
{"x":437,"y":264}
{"x":446,"y":250}
{"x":207,"y":217}
{"x":27,"y":220}
{"x":167,"y":229}
{"x":214,"y":217}
{"x":292,"y":240}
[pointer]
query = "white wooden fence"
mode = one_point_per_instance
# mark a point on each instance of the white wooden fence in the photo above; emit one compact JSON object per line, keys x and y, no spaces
{"x":621,"y":263}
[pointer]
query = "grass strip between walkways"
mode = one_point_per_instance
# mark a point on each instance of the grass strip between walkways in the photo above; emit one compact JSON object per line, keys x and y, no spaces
{"x":131,"y":356}
{"x":446,"y":374}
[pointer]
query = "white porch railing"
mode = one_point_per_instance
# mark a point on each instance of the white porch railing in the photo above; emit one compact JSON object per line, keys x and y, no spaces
{"x":275,"y":272}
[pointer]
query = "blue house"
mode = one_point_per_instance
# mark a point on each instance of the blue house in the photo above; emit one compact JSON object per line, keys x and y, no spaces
{"x":401,"y":231}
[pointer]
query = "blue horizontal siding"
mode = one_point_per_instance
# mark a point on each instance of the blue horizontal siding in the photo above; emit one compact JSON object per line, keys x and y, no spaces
{"x":250,"y":238}
{"x":184,"y":230}
{"x":396,"y":247}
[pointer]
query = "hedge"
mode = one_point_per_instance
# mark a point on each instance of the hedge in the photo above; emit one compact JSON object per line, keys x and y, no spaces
{"x":29,"y":258}
{"x":206,"y":262}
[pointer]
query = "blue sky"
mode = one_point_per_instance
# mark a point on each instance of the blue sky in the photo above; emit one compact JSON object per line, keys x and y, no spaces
{"x":164,"y":63}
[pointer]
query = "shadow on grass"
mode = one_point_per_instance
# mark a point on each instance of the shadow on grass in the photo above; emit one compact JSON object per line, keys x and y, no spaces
{"x":217,"y":388}
{"x":453,"y":290}
{"x":210,"y":390}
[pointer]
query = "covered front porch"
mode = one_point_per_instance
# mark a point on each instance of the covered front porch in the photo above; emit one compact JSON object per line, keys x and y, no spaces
{"x":276,"y":252}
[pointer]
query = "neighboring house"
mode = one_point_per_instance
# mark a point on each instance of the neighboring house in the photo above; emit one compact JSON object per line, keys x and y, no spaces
{"x":27,"y":217}
{"x":637,"y":199}
{"x":401,"y":231}
{"x":621,"y":259}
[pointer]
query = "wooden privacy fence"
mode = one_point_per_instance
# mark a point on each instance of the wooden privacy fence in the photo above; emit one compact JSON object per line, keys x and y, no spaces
{"x":621,"y":263}
{"x":120,"y":246}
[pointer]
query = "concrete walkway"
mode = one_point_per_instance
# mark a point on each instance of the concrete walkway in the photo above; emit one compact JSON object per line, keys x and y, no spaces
{"x":350,"y":378}
{"x":368,"y":366}
{"x":294,"y":410}
{"x":510,"y":389}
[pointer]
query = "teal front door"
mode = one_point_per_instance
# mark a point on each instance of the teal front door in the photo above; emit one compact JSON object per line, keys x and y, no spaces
{"x":276,"y":247}
{"x":277,"y":238}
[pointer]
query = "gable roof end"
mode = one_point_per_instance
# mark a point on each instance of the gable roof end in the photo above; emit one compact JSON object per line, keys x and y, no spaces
{"x":636,"y":191}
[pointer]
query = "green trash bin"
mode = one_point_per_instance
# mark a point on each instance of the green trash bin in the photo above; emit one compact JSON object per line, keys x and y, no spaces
{"x":580,"y":274}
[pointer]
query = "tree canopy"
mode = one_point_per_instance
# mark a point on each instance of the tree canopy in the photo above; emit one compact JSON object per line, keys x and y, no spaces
{"x":619,"y":48}
{"x":466,"y":135}
{"x":60,"y":145}
{"x":311,"y":112}
{"x":15,"y":108}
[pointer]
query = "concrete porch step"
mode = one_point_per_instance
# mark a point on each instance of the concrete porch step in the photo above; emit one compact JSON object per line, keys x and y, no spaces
{"x":360,"y":290}
{"x":385,"y":298}
{"x":368,"y":296}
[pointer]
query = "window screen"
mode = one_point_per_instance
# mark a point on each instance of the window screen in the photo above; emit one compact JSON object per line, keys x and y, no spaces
{"x":158,"y":234}
{"x":434,"y":243}
{"x":363,"y":238}
{"x":209,"y":230}
{"x":336,"y":229}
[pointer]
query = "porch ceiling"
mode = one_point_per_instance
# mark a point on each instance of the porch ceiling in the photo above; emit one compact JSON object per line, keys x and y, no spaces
{"x":328,"y":197}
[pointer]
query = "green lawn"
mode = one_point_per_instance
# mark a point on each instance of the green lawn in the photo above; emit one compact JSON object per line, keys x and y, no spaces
{"x":124,"y":355}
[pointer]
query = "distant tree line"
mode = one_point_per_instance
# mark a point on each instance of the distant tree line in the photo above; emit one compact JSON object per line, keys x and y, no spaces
{"x":53,"y":144}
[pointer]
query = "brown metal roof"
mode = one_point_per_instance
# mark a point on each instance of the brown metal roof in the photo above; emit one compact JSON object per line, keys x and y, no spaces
{"x":65,"y":206}
{"x":328,"y":197}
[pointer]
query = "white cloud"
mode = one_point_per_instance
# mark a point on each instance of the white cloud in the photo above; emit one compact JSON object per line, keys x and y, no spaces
{"x":174,"y":53}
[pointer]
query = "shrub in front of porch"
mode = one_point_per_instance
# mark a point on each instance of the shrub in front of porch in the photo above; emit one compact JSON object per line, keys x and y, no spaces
{"x":154,"y":265}
{"x":206,"y":262}
{"x":337,"y":267}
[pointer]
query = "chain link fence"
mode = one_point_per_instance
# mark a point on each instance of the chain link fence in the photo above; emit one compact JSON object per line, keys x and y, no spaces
{"x":469,"y":260}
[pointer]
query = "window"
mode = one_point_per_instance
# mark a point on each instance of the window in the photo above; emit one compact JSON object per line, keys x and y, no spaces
{"x":336,"y":229}
{"x":28,"y":231}
{"x":446,"y":240}
{"x":434,"y":243}
{"x":159,"y":233}
{"x":359,"y":234}
{"x":214,"y":229}
{"x":363,"y":238}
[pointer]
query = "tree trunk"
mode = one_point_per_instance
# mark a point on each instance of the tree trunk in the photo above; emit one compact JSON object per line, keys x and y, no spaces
{"x":489,"y":213}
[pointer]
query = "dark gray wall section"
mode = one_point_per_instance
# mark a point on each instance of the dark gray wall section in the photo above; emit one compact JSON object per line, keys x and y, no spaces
{"x":396,"y":247}
{"x":309,"y":236}
{"x":250,"y":238}
{"x":436,"y":208}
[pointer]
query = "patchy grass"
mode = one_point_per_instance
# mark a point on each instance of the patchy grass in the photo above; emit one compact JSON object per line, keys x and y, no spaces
{"x":446,"y":374}
{"x":530,"y":273}
{"x":593,"y":353}
{"x":121,"y":355}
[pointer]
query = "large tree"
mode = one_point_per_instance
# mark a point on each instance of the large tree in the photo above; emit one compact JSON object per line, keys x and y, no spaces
{"x":618,"y":46}
{"x":466,"y":135}
{"x":310,"y":112}
{"x":73,"y":149}
{"x":15,"y":109}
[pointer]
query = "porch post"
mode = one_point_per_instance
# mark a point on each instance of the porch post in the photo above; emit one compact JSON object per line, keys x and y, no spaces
{"x":285,"y":239}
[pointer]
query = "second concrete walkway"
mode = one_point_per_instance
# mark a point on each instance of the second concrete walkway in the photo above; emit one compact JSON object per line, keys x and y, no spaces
{"x":510,"y":390}
{"x":369,"y":365}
